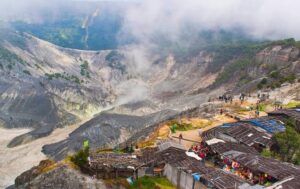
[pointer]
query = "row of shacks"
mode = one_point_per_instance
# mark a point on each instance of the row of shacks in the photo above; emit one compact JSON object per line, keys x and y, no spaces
{"x":235,"y":148}
{"x":232,"y":159}
{"x":168,"y":159}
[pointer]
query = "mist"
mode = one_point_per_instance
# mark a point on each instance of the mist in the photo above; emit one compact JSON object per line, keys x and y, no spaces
{"x":268,"y":19}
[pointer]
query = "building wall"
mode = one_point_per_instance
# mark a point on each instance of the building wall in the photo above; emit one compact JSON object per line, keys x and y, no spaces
{"x":180,"y":178}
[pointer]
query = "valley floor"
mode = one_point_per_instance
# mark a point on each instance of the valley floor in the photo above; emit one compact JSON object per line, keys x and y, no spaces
{"x":14,"y":161}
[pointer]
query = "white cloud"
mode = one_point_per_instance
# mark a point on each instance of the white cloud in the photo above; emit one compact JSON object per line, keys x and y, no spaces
{"x":260,"y":18}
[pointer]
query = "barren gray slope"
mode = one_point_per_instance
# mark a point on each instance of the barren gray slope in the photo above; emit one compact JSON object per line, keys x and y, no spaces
{"x":106,"y":131}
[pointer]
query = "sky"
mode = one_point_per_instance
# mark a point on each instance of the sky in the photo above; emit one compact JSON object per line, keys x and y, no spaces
{"x":260,"y":18}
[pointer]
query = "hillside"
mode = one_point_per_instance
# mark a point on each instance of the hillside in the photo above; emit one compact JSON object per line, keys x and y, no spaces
{"x":45,"y":87}
{"x":74,"y":85}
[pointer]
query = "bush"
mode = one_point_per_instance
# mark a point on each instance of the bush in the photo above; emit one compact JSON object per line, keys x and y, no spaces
{"x":286,"y":42}
{"x":81,"y":157}
{"x":267,"y":153}
{"x":288,"y":143}
{"x":259,"y":86}
{"x":275,"y":74}
{"x":9,"y":66}
{"x":231,"y":69}
{"x":65,"y":76}
{"x":264,"y":81}
{"x":26,"y":72}
{"x":84,"y":69}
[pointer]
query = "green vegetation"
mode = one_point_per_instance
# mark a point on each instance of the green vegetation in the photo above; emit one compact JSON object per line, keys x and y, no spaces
{"x":10,"y":58}
{"x":262,"y":83}
{"x":12,"y":36}
{"x":26,"y":72}
{"x":152,"y":183}
{"x":287,"y":42}
{"x":84,"y":69}
{"x":292,"y":104}
{"x":38,"y":66}
{"x":226,"y":53}
{"x":81,"y":157}
{"x":268,"y":153}
{"x":239,"y":66}
{"x":114,"y":59}
{"x":67,"y":31}
{"x":10,"y":66}
{"x":278,"y":79}
{"x":287,"y":145}
{"x":262,"y":107}
{"x":72,"y":78}
{"x":175,"y":126}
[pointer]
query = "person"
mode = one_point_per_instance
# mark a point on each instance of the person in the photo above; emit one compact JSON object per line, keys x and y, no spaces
{"x":257,"y":113}
{"x":180,"y":138}
{"x":221,"y":111}
{"x":200,"y":131}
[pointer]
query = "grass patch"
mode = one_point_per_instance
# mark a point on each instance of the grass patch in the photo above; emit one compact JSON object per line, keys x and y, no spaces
{"x":152,"y":183}
{"x":175,"y":126}
{"x":67,"y":161}
{"x":118,"y":182}
{"x":46,"y":166}
{"x":64,"y":76}
{"x":292,"y":104}
{"x":262,"y":107}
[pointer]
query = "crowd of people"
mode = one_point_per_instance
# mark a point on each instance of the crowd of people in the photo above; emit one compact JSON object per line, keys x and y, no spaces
{"x":200,"y":150}
{"x":245,"y":173}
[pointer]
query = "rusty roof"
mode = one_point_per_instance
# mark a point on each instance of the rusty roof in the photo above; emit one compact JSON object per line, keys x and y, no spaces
{"x":221,"y":148}
{"x":240,"y":132}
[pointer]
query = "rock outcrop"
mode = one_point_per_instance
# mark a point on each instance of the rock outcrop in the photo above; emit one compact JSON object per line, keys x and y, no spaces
{"x":60,"y":177}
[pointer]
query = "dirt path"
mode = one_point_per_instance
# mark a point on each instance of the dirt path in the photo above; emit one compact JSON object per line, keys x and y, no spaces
{"x":14,"y":161}
{"x":194,"y":134}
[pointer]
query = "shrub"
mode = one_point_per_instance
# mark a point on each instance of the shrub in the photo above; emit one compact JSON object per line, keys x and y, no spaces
{"x":288,"y":143}
{"x":81,"y":157}
{"x":275,"y":74}
{"x":9,"y":66}
{"x":26,"y":72}
{"x":259,"y":86}
{"x":84,"y":69}
{"x":264,"y":81}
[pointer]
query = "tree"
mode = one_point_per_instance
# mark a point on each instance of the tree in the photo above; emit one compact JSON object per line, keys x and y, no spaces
{"x":288,"y":143}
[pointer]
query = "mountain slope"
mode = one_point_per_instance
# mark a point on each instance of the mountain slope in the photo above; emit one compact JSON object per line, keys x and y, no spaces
{"x":47,"y":87}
